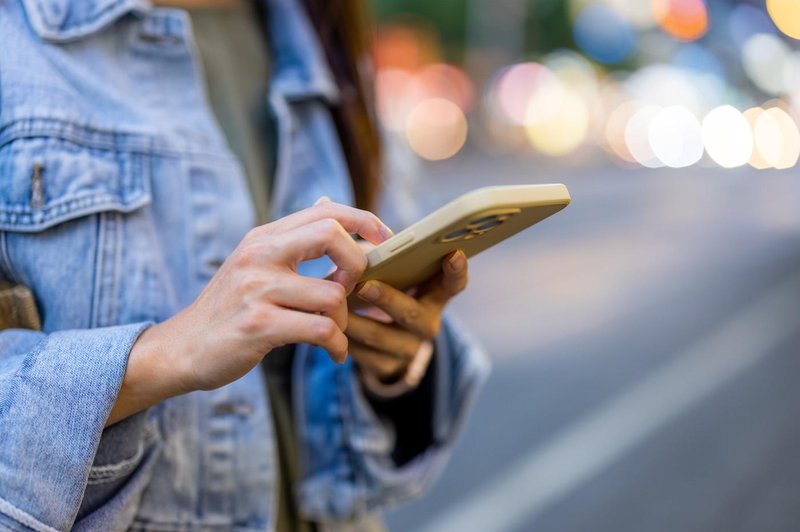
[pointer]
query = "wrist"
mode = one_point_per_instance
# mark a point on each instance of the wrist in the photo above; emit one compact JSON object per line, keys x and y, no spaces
{"x":151,"y":374}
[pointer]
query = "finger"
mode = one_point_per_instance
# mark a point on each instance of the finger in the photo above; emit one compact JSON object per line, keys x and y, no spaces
{"x":355,"y":221}
{"x":452,"y":281}
{"x":312,"y":295}
{"x":302,"y":327}
{"x":325,"y":237}
{"x":402,"y":344}
{"x":406,"y":311}
{"x":383,"y":365}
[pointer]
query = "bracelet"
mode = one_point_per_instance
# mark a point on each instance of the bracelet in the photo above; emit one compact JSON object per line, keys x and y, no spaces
{"x":413,"y":376}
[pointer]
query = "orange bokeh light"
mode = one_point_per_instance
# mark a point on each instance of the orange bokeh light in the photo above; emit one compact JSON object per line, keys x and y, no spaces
{"x":683,"y":19}
{"x":405,"y":47}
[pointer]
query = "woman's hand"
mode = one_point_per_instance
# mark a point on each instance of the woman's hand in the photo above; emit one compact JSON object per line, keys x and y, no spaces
{"x":388,"y":335}
{"x":255,"y":302}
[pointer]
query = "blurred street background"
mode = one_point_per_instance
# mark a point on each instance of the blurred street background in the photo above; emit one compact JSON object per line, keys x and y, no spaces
{"x":644,"y":340}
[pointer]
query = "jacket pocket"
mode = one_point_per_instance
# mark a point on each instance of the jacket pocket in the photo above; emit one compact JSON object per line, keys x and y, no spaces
{"x":45,"y":181}
{"x":71,"y":227}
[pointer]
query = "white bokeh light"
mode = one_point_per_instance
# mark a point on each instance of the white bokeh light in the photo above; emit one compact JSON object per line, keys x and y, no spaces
{"x":637,"y":137}
{"x":676,"y":137}
{"x":727,"y":137}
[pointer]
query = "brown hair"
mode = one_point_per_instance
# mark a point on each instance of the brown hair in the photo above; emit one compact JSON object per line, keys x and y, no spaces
{"x":345,"y":29}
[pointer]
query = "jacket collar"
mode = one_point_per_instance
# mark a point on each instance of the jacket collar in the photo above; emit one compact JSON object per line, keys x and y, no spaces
{"x":69,"y":20}
{"x":300,"y":67}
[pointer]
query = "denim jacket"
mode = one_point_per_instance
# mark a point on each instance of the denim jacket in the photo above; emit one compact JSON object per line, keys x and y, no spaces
{"x":119,"y":199}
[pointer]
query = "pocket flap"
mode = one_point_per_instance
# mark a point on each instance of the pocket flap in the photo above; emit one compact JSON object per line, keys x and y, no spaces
{"x":46,"y":181}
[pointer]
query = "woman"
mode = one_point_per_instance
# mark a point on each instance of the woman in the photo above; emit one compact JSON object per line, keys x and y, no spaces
{"x":135,"y":164}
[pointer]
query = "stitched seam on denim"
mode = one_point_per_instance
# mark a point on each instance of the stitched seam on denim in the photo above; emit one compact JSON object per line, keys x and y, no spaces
{"x":98,"y":269}
{"x":110,"y":472}
{"x":143,"y":525}
{"x":23,"y":517}
{"x":113,"y":301}
{"x":106,"y":270}
{"x":345,"y":403}
{"x":71,"y":209}
{"x":91,"y":136}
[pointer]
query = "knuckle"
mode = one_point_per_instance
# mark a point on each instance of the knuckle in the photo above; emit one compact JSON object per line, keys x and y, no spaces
{"x":252,"y":234}
{"x":255,"y":319}
{"x":330,"y":228}
{"x":337,"y":295}
{"x":324,"y":207}
{"x":250,"y":284}
{"x":326,"y":329}
{"x":409,"y":316}
{"x":244,"y":256}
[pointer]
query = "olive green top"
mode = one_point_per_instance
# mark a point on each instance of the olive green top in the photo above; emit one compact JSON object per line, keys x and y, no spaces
{"x":236,"y":63}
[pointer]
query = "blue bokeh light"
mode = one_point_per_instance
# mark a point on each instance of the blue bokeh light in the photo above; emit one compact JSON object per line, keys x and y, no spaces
{"x":602,"y":34}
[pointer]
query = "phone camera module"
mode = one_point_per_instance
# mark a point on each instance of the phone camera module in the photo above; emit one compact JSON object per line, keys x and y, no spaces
{"x":476,"y":227}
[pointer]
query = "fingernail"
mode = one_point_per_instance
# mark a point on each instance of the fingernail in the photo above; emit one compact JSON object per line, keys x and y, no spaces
{"x":386,"y":233}
{"x":457,"y":261}
{"x":322,"y":199}
{"x":369,"y":291}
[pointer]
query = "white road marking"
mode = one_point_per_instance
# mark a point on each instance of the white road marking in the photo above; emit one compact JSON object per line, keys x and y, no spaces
{"x":570,"y":459}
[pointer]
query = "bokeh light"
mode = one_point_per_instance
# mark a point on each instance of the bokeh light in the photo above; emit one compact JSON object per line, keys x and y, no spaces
{"x":676,"y":137}
{"x":512,"y":90}
{"x":602,"y":34}
{"x":627,"y":87}
{"x":763,"y":58}
{"x":436,"y":129}
{"x":777,"y":138}
{"x":786,"y":15}
{"x":638,"y":13}
{"x":664,"y":85}
{"x":563,"y":130}
{"x":447,"y":81}
{"x":727,"y":137}
{"x":756,"y":159}
{"x":683,"y":19}
{"x":614,"y":133}
{"x":637,"y":137}
{"x":575,"y":71}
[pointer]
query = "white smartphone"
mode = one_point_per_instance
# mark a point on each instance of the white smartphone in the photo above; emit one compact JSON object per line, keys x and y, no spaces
{"x":472,"y":223}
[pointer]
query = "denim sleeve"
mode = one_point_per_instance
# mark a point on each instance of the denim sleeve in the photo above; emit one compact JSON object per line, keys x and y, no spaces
{"x":56,"y":391}
{"x":346,"y":458}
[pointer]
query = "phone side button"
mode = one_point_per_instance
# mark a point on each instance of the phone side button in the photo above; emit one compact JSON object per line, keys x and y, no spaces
{"x":404,"y":241}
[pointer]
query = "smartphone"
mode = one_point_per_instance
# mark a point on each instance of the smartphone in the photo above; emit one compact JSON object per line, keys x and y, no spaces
{"x":472,"y":223}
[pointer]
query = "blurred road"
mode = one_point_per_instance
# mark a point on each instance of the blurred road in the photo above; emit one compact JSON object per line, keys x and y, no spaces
{"x":645,"y":348}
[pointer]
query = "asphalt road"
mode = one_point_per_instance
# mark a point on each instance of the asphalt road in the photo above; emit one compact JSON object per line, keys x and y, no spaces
{"x":645,"y":349}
